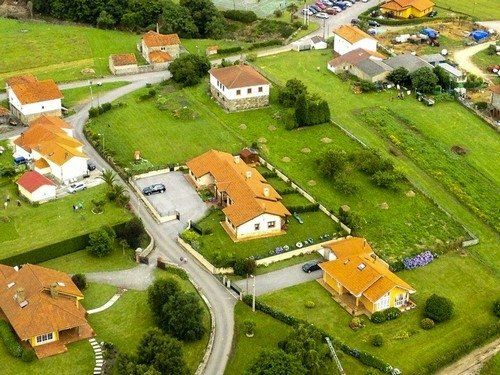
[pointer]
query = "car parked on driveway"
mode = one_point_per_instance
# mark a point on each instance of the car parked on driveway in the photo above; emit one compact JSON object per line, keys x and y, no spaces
{"x":91,"y":166}
{"x":313,"y":9}
{"x":77,"y":186}
{"x":311,"y":266}
{"x":322,"y":15}
{"x":307,"y":11}
{"x":154,"y":189}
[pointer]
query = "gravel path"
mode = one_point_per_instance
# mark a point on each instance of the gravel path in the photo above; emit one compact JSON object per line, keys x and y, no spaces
{"x":463,"y":59}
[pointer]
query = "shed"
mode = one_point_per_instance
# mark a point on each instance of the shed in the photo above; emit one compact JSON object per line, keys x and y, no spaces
{"x":36,"y":187}
{"x":318,"y":42}
{"x":249,"y":155}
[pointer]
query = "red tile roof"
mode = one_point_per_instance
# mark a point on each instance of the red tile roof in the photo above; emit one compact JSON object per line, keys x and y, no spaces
{"x":159,"y":56}
{"x":32,"y":181}
{"x":29,"y":90}
{"x":124,"y":59}
{"x":154,"y":39}
{"x":238,"y":76}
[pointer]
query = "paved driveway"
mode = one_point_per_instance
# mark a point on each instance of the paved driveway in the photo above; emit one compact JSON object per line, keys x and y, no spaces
{"x":180,"y":196}
{"x":276,"y":280}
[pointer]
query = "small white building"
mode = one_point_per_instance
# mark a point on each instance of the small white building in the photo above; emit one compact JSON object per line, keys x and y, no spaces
{"x":347,"y":38}
{"x":239,"y":87}
{"x":30,"y":98}
{"x":50,"y":145}
{"x":455,"y":74}
{"x":36,"y":187}
{"x":318,"y":42}
{"x":251,"y":206}
{"x":159,"y":48}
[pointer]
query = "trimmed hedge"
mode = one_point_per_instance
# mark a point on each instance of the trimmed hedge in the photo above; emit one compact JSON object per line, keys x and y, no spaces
{"x":285,"y":191}
{"x":312,"y":207}
{"x":54,"y":250}
{"x":388,"y":314}
{"x":235,"y":49}
{"x":12,"y":345}
{"x":244,"y":16}
{"x":364,"y":357}
{"x":267,"y":43}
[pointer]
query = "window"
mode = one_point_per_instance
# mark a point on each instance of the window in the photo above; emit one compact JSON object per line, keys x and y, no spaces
{"x":238,"y":92}
{"x":261,"y":89}
{"x":256,"y":226}
{"x":271,"y":224}
{"x":249,"y":91}
{"x":44,"y":338}
{"x":400,"y":300}
{"x":383,"y":303}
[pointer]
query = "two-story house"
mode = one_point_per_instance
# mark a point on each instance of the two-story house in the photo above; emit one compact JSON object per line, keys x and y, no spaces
{"x":347,"y":38}
{"x":159,"y":48}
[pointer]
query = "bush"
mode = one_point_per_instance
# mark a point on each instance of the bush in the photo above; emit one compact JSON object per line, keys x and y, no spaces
{"x":377,"y":340}
{"x":367,"y":86}
{"x":481,"y":105}
{"x":345,"y":185}
{"x":80,"y":281}
{"x":378,"y":317}
{"x":28,"y":355}
{"x":427,"y":323}
{"x":244,"y":16}
{"x":267,"y":43}
{"x":278,"y":13}
{"x":9,"y":339}
{"x":311,"y":207}
{"x":496,"y":308}
{"x":252,"y":57}
{"x":189,"y":69}
{"x":439,"y":309}
{"x":243,"y":267}
{"x":249,"y":326}
{"x":332,"y":163}
{"x":392,"y":313}
{"x":229,"y":50}
{"x":387,"y":179}
{"x":101,"y":243}
{"x":310,"y":305}
{"x":356,"y":323}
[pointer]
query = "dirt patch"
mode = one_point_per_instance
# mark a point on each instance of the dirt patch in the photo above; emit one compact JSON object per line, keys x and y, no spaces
{"x":410,"y":193}
{"x":242,"y":126}
{"x":311,"y":183}
{"x":459,"y":150}
{"x":326,"y":140}
{"x":286,"y":159}
{"x":262,"y":140}
{"x":384,"y":206}
{"x":272,"y":128}
{"x":306,"y":150}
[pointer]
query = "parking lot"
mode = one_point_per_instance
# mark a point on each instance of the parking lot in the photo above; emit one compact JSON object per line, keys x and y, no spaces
{"x":179,"y":196}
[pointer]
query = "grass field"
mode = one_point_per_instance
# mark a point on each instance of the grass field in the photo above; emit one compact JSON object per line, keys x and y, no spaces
{"x":481,"y":9}
{"x":492,"y":366}
{"x":81,"y":95}
{"x":406,"y":344}
{"x":483,"y":60}
{"x":408,"y":225}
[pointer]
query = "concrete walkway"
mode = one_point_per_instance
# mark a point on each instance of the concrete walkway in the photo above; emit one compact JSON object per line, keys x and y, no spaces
{"x":99,"y":360}
{"x":137,"y":278}
{"x":108,"y":304}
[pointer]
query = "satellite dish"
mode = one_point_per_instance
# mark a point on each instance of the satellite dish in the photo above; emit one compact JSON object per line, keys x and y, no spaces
{"x":444,"y":52}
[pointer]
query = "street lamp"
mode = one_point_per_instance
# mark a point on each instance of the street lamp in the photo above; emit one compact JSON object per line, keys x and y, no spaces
{"x":253,"y":294}
{"x":91,"y":95}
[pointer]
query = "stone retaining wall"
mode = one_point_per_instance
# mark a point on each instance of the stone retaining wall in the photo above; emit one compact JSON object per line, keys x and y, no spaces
{"x":204,"y":262}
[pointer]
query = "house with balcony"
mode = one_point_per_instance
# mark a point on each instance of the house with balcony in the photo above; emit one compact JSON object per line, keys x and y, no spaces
{"x":43,"y":306}
{"x":251,"y":206}
{"x":239,"y":87}
{"x":360,"y":281}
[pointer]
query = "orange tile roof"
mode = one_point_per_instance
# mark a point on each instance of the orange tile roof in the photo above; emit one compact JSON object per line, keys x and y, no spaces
{"x":124,"y":59}
{"x":41,"y":164}
{"x":251,"y":194}
{"x":238,"y":76}
{"x":50,"y":120}
{"x":32,"y":180}
{"x":28,"y":89}
{"x":154,"y":39}
{"x":159,"y":56}
{"x":360,"y":271}
{"x":352,"y":34}
{"x":43,"y":313}
{"x":47,"y":136}
{"x":399,"y":5}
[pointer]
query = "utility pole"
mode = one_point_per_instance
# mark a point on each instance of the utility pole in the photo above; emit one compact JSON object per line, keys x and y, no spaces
{"x":91,"y":95}
{"x":334,"y":355}
{"x":253,"y":299}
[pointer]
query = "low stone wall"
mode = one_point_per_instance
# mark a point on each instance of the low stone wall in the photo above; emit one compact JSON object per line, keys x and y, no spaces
{"x":137,"y":69}
{"x":239,"y":104}
{"x":290,"y":254}
{"x":144,"y":253}
{"x":200,"y":258}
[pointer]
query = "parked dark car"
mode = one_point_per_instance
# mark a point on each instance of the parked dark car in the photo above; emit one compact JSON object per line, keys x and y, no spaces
{"x":20,"y":160}
{"x":311,"y":266}
{"x":354,"y":21}
{"x":154,"y":189}
{"x":331,"y":11}
{"x":373,"y":23}
{"x":91,"y":166}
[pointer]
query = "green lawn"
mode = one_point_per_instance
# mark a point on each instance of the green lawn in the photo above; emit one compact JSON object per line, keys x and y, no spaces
{"x":446,"y":276}
{"x":218,"y":245}
{"x":82,"y":262}
{"x":481,"y":9}
{"x":81,"y":95}
{"x":408,"y":225}
{"x":492,"y":367}
{"x":97,"y":295}
{"x":483,"y":60}
{"x":129,"y":318}
{"x":29,"y":227}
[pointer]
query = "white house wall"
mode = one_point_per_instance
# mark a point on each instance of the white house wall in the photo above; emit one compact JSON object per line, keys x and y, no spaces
{"x":43,"y":193}
{"x":248,"y":229}
{"x":231,"y":94}
{"x":342,"y":46}
{"x":33,"y":108}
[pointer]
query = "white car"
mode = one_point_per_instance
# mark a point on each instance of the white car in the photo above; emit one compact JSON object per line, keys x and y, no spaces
{"x":322,"y":15}
{"x":307,"y":11}
{"x":78,"y":186}
{"x":364,"y":1}
{"x":347,"y":4}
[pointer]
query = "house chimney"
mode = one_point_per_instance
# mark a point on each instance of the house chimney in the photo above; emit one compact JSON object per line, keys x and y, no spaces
{"x":248,"y":175}
{"x":236,"y":159}
{"x":54,"y":293}
{"x":266,"y":191}
{"x":20,"y":295}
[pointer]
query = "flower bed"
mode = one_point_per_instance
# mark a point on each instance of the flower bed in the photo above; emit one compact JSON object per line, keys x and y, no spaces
{"x":418,"y":260}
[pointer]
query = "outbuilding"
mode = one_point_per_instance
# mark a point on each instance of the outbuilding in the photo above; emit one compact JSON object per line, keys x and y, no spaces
{"x":36,"y":187}
{"x":348,"y":38}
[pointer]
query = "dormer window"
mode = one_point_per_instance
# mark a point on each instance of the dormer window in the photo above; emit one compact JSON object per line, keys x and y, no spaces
{"x":361,"y":266}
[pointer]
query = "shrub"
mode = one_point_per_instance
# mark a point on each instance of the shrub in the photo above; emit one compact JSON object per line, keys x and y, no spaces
{"x":243,"y":267}
{"x":418,"y":260}
{"x":228,"y":50}
{"x":367,"y":86}
{"x":80,"y":280}
{"x":392,"y":313}
{"x":378,"y":317}
{"x":252,"y":57}
{"x":278,"y":13}
{"x":427,"y":323}
{"x":244,"y":16}
{"x":28,"y":355}
{"x":100,"y":243}
{"x":332,"y":163}
{"x":345,"y":185}
{"x":481,"y":105}
{"x":387,"y":179}
{"x":9,"y":339}
{"x":249,"y":326}
{"x":311,"y":207}
{"x":438,"y":308}
{"x":496,"y":308}
{"x":310,"y":305}
{"x":356,"y":323}
{"x":267,"y":43}
{"x":377,"y":340}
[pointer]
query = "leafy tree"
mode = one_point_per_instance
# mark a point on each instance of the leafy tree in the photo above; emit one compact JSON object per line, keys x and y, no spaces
{"x":276,"y":362}
{"x":188,"y":70}
{"x":100,"y":243}
{"x":438,"y":308}
{"x":159,"y":292}
{"x":400,"y":76}
{"x":289,"y":94}
{"x":292,"y":8}
{"x":443,"y":78}
{"x":162,"y":352}
{"x":80,"y":280}
{"x":301,"y":111}
{"x":367,"y":86}
{"x":243,"y":267}
{"x":306,"y":344}
{"x":176,"y":19}
{"x":370,"y":162}
{"x":133,"y":232}
{"x":207,"y":18}
{"x":131,"y":20}
{"x":332,"y":163}
{"x":105,"y":20}
{"x":424,"y":80}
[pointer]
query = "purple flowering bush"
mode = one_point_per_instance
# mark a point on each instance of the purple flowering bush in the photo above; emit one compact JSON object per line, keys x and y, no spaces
{"x":418,"y":260}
